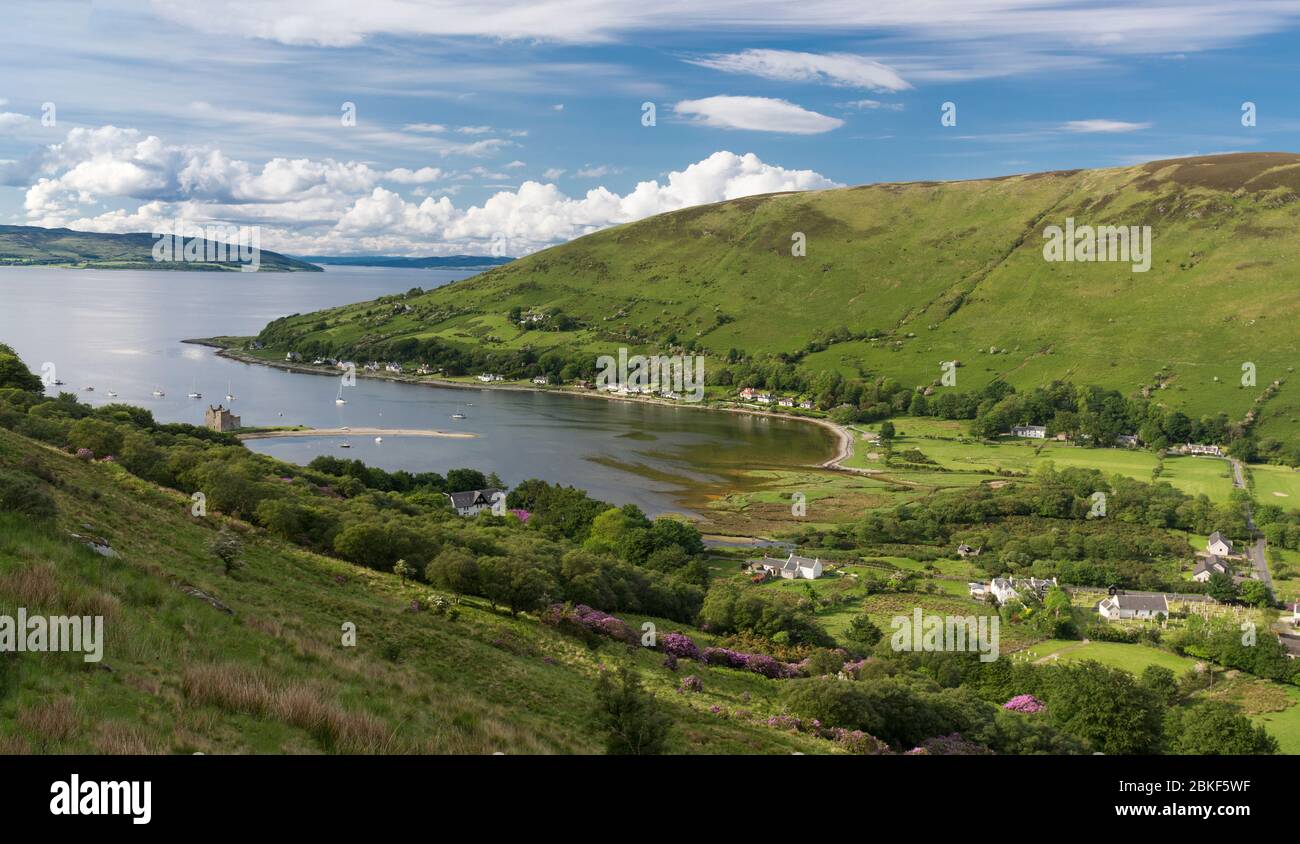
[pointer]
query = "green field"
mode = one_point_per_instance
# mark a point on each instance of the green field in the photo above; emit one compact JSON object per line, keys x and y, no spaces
{"x":1132,"y":658}
{"x":1278,"y":485}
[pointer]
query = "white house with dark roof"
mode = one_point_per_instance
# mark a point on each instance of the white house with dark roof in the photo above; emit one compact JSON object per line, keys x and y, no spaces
{"x":1121,"y":606}
{"x":1219,"y":545}
{"x":474,"y":501}
{"x":1207,"y":567}
{"x":1011,"y":588}
{"x":793,"y":568}
{"x":1033,"y":432}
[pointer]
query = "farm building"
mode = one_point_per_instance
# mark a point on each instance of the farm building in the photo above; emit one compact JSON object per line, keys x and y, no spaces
{"x":1207,"y":567}
{"x":1219,"y":545}
{"x":1120,"y":606}
{"x":1033,"y":432}
{"x":793,"y":568}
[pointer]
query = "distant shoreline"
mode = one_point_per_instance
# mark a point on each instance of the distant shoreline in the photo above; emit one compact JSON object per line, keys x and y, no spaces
{"x":844,"y":438}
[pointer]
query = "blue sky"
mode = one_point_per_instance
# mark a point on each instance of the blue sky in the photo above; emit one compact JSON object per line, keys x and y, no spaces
{"x":521,"y":124}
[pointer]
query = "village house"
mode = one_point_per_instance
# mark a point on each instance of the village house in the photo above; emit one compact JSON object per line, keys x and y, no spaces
{"x":1197,"y":448}
{"x":786,"y":402}
{"x":1291,"y":644}
{"x":394,"y":367}
{"x":1219,"y":545}
{"x":793,"y":568}
{"x":219,"y":419}
{"x":474,"y":501}
{"x":764,"y":398}
{"x":541,"y":380}
{"x":292,"y":357}
{"x":964,"y":550}
{"x":490,"y":376}
{"x":1128,"y":441}
{"x":1011,"y":588}
{"x":806,"y":405}
{"x":1033,"y":432}
{"x":748,"y":394}
{"x":1120,"y":606}
{"x":1207,"y":567}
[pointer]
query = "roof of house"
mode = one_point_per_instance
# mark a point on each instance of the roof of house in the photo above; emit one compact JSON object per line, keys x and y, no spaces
{"x":471,"y":497}
{"x":1291,"y":643}
{"x":1218,"y":537}
{"x":1140,"y":603}
{"x":796,"y":561}
{"x":1212,"y":564}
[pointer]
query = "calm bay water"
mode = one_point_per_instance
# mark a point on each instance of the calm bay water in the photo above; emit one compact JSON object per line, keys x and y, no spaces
{"x":122,"y":331}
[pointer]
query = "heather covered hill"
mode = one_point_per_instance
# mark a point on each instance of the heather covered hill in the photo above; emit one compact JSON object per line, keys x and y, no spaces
{"x":898,"y":278}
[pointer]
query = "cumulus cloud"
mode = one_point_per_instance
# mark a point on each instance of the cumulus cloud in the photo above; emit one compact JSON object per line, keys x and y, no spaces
{"x":324,"y":206}
{"x":839,"y":69}
{"x":758,"y":114}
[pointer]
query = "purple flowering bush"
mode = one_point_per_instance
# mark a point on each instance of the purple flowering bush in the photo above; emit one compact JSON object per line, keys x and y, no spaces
{"x":1024,"y":703}
{"x":679,"y":645}
{"x":692,"y":684}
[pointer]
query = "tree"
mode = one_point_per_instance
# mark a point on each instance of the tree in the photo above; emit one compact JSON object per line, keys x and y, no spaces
{"x":227,"y":548}
{"x":1214,"y":728}
{"x":886,"y":431}
{"x":513,"y":582}
{"x":863,"y":632}
{"x":1162,"y":682}
{"x":1105,"y":707}
{"x":403,"y":570}
{"x":456,"y":570}
{"x":1221,"y":588}
{"x":630,"y":717}
{"x":1255,"y":593}
{"x":14,"y":373}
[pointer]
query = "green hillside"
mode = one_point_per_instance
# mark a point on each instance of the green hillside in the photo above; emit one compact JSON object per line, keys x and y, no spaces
{"x":35,"y":246}
{"x":181,"y":675}
{"x":898,"y":278}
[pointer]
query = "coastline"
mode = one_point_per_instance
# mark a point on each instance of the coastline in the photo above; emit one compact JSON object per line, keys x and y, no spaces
{"x":843,"y":437}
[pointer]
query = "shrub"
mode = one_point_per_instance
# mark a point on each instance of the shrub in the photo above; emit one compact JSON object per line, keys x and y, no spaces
{"x":692,"y":684}
{"x":20,"y":493}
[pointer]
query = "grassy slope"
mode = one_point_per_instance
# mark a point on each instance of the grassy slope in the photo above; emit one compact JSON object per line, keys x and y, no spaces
{"x":944,"y":271}
{"x":273,"y":677}
{"x":32,"y":245}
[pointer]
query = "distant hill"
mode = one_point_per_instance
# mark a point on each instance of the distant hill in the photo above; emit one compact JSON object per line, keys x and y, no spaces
{"x":36,"y":246}
{"x":432,"y":262}
{"x":899,"y":278}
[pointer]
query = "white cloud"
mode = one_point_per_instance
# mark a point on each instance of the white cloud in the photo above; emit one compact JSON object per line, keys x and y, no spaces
{"x":598,"y":171}
{"x":414,"y":177}
{"x":758,"y":114}
{"x":1114,"y":26}
{"x":871,"y":105}
{"x":553,"y":173}
{"x":1108,"y":126}
{"x":840,"y":69}
{"x":324,"y":206}
{"x":10,"y":120}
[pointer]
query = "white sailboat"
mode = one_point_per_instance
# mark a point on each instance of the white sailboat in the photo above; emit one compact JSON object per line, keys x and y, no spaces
{"x":158,"y":393}
{"x":230,"y":394}
{"x":379,"y":439}
{"x":194,"y":392}
{"x":112,"y":395}
{"x":339,"y":399}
